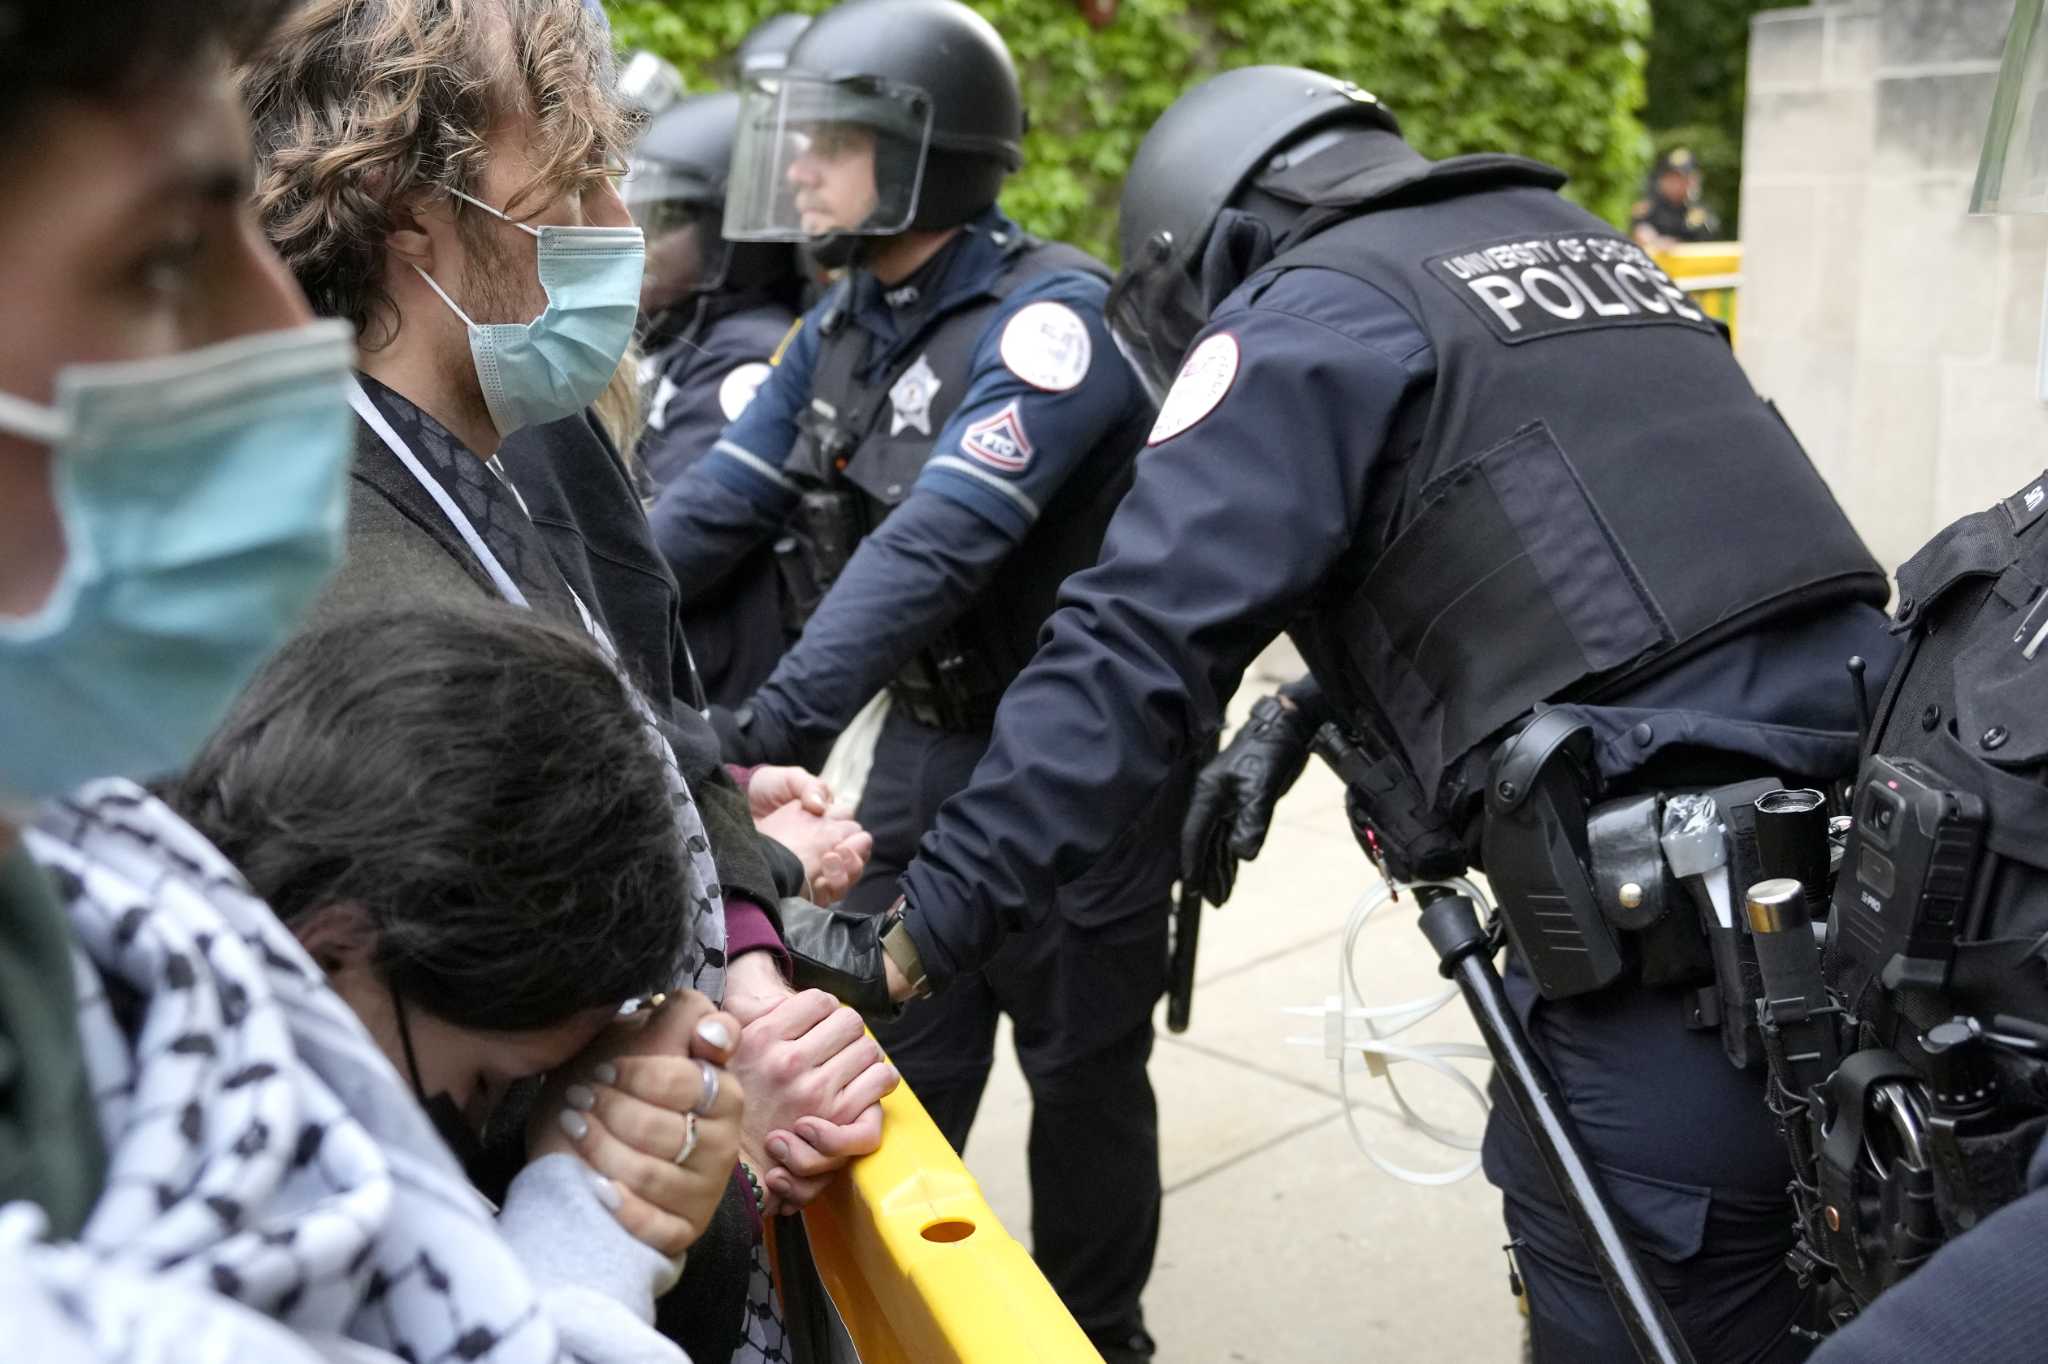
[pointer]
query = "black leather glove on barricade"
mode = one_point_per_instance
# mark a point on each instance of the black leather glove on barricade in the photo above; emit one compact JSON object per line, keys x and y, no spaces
{"x":838,"y":953}
{"x":1234,"y":796}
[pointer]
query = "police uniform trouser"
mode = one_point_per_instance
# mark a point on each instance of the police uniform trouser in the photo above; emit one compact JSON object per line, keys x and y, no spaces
{"x":1079,"y":990}
{"x":1692,"y":1160}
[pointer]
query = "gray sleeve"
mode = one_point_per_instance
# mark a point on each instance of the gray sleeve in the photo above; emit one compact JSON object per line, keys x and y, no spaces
{"x":598,"y":1282}
{"x":389,"y":559}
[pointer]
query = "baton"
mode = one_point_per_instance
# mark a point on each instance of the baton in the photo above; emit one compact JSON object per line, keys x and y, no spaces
{"x":1185,"y":936}
{"x":1465,"y":953}
{"x":1187,"y":933}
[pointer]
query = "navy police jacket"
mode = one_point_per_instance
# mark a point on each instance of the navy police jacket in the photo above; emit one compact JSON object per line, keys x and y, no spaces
{"x":1045,"y":396}
{"x":1282,"y":468}
{"x":704,"y":364}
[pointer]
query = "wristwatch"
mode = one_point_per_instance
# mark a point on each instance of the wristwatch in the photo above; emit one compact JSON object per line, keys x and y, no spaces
{"x":902,"y":949}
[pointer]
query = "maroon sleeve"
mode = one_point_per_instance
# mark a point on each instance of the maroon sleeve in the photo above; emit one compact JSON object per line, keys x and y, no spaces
{"x":749,"y":929}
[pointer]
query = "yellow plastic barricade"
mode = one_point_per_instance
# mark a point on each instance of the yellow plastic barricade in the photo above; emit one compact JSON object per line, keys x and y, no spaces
{"x":920,"y":1269}
{"x":1710,"y":273}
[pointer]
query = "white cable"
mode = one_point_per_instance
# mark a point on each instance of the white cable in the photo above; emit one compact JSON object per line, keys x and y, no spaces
{"x":1387,"y":1021}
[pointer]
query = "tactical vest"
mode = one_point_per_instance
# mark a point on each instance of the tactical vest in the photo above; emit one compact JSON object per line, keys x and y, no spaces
{"x":1966,"y":704}
{"x":1935,"y":962}
{"x":1596,"y":491}
{"x":857,"y":470}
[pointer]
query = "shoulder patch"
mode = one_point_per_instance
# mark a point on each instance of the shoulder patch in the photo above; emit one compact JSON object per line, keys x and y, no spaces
{"x":999,"y":441}
{"x":1525,"y":288}
{"x":1046,"y":345}
{"x":739,"y":389}
{"x":1204,"y":378}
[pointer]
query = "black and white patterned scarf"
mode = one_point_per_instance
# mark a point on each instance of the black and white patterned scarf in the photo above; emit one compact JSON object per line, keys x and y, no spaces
{"x":261,"y":1148}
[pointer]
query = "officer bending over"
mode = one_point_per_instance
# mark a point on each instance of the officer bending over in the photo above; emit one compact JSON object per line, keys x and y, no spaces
{"x":713,"y":318}
{"x":941,"y":444}
{"x":1474,"y":452}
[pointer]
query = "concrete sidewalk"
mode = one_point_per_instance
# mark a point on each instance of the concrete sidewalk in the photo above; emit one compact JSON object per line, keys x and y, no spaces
{"x":1281,"y":1241}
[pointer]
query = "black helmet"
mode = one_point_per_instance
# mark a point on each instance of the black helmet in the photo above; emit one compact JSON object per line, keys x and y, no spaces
{"x":677,"y":179}
{"x":766,"y":47}
{"x":928,"y":82}
{"x":1199,"y":159}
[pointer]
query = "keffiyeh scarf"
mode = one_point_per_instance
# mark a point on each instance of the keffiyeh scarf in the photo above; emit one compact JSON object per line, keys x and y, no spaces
{"x":261,"y":1147}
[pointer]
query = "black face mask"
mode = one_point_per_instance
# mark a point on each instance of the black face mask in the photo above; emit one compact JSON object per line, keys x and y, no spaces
{"x":441,"y":1109}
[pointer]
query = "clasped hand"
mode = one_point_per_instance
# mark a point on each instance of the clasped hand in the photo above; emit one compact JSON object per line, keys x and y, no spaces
{"x":634,"y":1106}
{"x":795,"y":808}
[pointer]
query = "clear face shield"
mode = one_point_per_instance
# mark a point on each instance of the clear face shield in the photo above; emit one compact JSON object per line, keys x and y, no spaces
{"x":817,"y":159}
{"x":1151,"y":320}
{"x":663,"y":197}
{"x":2012,"y":173}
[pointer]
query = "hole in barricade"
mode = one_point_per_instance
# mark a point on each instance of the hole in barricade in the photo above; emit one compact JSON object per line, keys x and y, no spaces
{"x":948,"y":1229}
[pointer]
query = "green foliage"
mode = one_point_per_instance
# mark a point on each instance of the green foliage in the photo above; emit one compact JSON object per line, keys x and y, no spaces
{"x":1695,"y":86}
{"x":1558,"y":80}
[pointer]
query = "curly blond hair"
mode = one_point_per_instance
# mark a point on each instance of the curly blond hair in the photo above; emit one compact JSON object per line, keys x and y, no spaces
{"x":358,"y":106}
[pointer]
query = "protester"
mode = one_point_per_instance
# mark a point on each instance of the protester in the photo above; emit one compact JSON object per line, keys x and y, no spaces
{"x":218,"y":1155}
{"x":441,"y":177}
{"x":458,"y":814}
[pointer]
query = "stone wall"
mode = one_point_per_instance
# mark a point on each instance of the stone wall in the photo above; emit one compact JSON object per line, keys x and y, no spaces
{"x":1897,"y":333}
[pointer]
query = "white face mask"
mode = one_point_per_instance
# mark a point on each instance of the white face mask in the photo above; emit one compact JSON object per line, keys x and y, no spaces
{"x":557,"y":365}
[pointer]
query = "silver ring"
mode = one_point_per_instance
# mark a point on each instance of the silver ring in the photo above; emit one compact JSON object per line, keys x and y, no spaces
{"x":689,"y":1138}
{"x":710,"y":1095}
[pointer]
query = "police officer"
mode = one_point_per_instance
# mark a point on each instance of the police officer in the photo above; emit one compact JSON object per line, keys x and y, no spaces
{"x":715,"y":315}
{"x":940,"y":445}
{"x":1671,"y":212}
{"x":1474,"y":452}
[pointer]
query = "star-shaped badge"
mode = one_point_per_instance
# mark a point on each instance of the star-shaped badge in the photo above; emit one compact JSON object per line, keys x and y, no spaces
{"x":912,"y":398}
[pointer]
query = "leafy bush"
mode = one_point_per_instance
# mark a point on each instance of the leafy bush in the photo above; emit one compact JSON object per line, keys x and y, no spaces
{"x":1558,"y":80}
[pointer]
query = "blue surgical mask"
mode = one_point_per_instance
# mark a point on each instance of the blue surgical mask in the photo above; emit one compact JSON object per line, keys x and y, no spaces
{"x":557,"y":365}
{"x":203,"y":498}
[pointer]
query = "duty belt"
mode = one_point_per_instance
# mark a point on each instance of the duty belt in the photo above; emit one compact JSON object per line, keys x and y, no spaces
{"x":1644,"y":887}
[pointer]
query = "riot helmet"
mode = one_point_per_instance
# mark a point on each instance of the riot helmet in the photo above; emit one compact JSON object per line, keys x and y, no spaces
{"x":766,"y":47}
{"x":890,"y":115}
{"x":675,"y":188}
{"x":1224,"y":154}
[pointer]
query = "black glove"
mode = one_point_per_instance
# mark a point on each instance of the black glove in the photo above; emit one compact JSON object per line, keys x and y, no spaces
{"x":1234,"y":796}
{"x":838,"y":953}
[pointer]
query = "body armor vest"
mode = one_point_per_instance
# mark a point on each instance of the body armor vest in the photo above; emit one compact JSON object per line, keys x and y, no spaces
{"x":1596,"y":491}
{"x":856,"y":470}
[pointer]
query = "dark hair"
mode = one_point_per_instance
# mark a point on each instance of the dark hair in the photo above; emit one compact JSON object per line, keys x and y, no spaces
{"x":481,"y":784}
{"x":104,"y":49}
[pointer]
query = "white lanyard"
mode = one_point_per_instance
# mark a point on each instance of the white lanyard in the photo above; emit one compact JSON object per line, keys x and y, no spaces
{"x":507,"y":589}
{"x":367,"y":410}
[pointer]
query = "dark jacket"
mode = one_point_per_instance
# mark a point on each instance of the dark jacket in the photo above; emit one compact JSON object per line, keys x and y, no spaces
{"x":398,"y":549}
